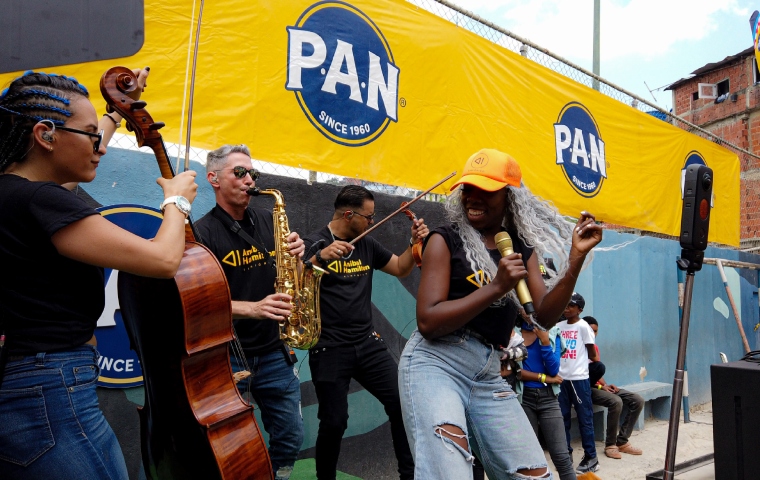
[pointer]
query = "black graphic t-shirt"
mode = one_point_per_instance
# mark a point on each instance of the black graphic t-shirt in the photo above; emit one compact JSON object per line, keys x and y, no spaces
{"x":345,"y":295}
{"x":250,"y":275}
{"x":496,"y":322}
{"x":48,"y":302}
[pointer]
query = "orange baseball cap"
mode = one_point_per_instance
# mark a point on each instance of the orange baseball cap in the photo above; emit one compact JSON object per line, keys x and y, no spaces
{"x":490,"y":170}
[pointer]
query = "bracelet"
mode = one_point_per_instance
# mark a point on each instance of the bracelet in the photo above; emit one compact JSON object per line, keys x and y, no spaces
{"x":118,"y":124}
{"x":598,"y":387}
{"x":542,"y":377}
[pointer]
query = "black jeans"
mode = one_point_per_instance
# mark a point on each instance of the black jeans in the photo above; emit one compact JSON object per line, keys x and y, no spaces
{"x":332,"y":368}
{"x":542,"y":408}
{"x":614,"y":403}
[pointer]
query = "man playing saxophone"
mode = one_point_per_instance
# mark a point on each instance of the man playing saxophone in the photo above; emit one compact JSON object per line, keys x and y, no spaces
{"x":349,"y":347}
{"x":242,"y":238}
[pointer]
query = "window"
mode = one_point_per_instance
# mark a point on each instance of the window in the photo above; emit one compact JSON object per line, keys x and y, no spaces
{"x":695,"y":96}
{"x":723,"y":88}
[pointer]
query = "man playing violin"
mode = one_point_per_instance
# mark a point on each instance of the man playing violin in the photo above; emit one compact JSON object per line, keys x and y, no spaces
{"x":242,"y":238}
{"x":348,"y":346}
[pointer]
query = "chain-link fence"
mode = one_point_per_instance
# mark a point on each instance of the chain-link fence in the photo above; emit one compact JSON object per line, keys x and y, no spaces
{"x":510,"y":41}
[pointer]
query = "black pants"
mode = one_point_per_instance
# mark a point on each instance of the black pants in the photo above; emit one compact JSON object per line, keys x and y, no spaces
{"x":372,"y":366}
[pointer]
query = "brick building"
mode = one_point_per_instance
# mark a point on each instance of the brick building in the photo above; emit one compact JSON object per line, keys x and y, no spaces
{"x":724,"y":99}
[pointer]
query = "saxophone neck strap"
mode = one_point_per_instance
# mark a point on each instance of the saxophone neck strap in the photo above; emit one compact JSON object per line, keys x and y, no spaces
{"x":235,"y":227}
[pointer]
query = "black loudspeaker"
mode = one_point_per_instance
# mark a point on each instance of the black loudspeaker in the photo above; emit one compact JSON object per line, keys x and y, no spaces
{"x":736,"y":420}
{"x":697,"y":202}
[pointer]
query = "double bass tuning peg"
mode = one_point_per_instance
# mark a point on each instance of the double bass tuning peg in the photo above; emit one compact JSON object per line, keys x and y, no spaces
{"x":138,"y":105}
{"x":156,"y":126}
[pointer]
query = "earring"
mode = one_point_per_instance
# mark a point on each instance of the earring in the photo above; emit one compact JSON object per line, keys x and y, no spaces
{"x":50,"y":149}
{"x":47,"y":136}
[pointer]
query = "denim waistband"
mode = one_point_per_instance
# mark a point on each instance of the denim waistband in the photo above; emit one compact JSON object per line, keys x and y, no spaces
{"x":472,"y":333}
{"x":83,"y":351}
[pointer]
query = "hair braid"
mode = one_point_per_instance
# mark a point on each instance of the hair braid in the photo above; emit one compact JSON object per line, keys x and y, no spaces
{"x":33,"y":97}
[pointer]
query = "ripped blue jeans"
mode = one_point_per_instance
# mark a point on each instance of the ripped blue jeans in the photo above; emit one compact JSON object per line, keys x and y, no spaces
{"x":455,"y":380}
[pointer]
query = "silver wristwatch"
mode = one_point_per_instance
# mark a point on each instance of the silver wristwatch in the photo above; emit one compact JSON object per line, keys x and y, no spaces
{"x":180,"y":202}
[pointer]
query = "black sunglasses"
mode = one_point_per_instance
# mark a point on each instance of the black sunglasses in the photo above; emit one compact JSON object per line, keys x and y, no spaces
{"x":98,"y":136}
{"x":368,"y":217}
{"x":240,"y":172}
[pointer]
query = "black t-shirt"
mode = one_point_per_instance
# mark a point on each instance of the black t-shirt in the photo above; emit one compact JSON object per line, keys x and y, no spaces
{"x":249,"y":272}
{"x":345,"y":295}
{"x":496,"y":322}
{"x":48,"y":302}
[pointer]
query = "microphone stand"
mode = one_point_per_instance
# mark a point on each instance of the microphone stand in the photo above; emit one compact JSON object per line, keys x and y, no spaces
{"x":690,"y":261}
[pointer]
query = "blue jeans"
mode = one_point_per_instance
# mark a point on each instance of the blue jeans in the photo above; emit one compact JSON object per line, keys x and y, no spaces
{"x":276,"y":389}
{"x":50,"y":423}
{"x":455,"y":380}
{"x":578,"y":394}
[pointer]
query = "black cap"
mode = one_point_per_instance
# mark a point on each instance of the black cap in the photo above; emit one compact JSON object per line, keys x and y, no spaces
{"x":577,"y":299}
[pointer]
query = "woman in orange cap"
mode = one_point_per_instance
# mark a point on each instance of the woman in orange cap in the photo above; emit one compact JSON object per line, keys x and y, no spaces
{"x":466,"y":310}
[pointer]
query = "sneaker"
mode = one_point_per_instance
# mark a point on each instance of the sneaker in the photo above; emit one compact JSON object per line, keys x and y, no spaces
{"x":629,"y":449}
{"x":612,"y":452}
{"x":588,"y":465}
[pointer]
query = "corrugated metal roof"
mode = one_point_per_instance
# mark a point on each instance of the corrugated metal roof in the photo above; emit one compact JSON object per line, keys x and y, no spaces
{"x":711,"y":67}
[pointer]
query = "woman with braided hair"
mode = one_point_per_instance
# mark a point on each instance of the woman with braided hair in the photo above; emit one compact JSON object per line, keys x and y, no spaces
{"x":465,"y":312}
{"x":53,"y":249}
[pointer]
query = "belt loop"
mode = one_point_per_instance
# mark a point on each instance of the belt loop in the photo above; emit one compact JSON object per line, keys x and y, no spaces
{"x":40,"y":359}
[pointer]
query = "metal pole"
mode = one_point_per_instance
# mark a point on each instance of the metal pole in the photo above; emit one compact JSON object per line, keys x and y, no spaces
{"x":675,"y":404}
{"x":733,"y":305}
{"x":596,"y":43}
{"x":686,"y":418}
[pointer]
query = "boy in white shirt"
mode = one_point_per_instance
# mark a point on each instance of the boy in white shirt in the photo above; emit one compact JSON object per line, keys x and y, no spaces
{"x":575,"y":389}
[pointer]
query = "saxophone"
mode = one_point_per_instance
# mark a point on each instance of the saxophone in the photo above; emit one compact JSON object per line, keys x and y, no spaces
{"x":302,"y":328}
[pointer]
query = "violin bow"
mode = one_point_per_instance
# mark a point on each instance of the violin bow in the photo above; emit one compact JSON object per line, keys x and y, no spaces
{"x":192,"y":90}
{"x":401,"y":209}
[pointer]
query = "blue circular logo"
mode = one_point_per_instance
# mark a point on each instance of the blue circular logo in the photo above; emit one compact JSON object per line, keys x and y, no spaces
{"x":580,"y":149}
{"x":342,"y":71}
{"x":119,"y":364}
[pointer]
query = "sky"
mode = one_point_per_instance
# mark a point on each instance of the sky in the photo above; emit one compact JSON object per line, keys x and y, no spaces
{"x":645,"y":44}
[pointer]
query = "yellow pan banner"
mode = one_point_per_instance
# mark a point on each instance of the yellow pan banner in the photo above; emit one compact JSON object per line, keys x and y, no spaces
{"x":386,"y":91}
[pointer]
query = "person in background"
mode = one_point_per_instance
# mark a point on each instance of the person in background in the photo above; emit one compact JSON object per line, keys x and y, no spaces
{"x":539,"y":388}
{"x":575,"y":389}
{"x":608,"y":395}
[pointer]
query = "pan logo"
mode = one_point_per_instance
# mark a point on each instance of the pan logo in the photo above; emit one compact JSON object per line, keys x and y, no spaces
{"x":580,"y":149}
{"x":342,"y":71}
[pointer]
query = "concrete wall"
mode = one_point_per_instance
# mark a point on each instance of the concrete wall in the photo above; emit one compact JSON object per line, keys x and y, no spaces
{"x":631,"y":288}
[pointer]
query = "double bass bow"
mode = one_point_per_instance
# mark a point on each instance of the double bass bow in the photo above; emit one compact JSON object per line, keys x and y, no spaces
{"x":194,"y":423}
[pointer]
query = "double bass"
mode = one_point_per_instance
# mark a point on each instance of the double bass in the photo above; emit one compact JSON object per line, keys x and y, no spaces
{"x":194,"y":423}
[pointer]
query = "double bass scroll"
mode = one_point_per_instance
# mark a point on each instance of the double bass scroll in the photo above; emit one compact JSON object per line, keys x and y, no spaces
{"x":194,"y":423}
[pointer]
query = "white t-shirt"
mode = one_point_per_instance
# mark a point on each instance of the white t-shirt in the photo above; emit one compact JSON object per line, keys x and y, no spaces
{"x":574,"y":363}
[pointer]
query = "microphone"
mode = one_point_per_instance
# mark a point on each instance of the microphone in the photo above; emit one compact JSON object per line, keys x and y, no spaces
{"x":504,"y":244}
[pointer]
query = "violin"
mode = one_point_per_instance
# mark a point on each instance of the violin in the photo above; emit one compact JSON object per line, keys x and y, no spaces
{"x":417,"y":247}
{"x":194,"y":423}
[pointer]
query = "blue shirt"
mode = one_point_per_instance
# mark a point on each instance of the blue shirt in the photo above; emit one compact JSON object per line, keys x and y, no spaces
{"x":542,"y":359}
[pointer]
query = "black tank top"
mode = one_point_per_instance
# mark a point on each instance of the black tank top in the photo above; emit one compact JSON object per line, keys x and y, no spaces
{"x":496,"y":322}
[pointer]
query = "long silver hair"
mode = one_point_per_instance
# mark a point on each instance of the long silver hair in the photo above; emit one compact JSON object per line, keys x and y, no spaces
{"x":538,"y":224}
